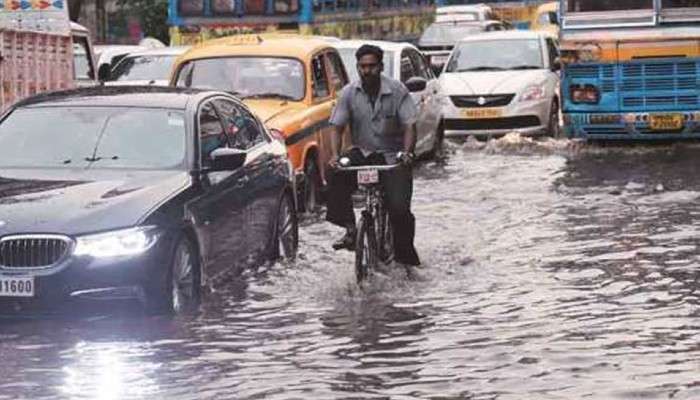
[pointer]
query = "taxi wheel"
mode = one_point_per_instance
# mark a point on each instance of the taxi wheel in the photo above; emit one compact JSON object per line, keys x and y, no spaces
{"x":311,"y":193}
{"x":553,"y":128}
{"x":180,"y":291}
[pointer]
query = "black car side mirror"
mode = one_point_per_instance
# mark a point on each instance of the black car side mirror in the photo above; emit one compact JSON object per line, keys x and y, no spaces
{"x":416,"y":84}
{"x":104,"y":73}
{"x":226,"y":159}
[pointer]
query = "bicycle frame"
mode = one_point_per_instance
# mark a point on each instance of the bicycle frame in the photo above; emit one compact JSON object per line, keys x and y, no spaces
{"x":373,"y":223}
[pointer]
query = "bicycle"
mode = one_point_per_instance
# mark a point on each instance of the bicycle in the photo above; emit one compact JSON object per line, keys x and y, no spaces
{"x":375,"y":237}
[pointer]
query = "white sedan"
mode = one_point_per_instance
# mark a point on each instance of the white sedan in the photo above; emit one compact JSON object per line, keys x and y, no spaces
{"x":501,"y":82}
{"x":403,"y":62}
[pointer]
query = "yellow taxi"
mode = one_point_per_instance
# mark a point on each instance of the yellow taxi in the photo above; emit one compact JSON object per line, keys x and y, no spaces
{"x":289,"y":81}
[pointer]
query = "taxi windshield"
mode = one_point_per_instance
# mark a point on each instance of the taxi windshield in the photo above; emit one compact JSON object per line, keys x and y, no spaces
{"x":496,"y":55}
{"x":247,"y":77}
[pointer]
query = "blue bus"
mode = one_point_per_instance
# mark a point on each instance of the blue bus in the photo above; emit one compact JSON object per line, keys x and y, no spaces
{"x":631,"y":69}
{"x":192,"y":21}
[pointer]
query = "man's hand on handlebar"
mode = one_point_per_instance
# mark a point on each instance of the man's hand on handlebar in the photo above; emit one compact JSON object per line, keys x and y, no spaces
{"x":406,"y":158}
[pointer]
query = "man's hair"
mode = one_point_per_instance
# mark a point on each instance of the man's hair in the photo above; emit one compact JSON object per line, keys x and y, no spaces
{"x":369,"y":49}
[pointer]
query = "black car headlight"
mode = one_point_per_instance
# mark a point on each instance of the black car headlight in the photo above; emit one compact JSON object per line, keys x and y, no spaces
{"x":119,"y":243}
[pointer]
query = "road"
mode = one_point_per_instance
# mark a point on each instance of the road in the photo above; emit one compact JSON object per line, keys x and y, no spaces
{"x":554,"y":270}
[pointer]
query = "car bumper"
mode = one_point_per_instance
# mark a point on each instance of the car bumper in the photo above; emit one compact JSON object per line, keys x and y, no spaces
{"x":527,"y":118}
{"x":88,"y":278}
{"x":628,"y":126}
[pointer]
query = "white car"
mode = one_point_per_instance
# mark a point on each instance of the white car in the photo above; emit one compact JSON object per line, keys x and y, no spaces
{"x":463,"y":13}
{"x":501,"y":82}
{"x":403,"y":62}
{"x":146,"y":67}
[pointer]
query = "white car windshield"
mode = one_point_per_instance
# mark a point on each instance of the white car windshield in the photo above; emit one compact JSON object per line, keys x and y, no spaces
{"x":142,"y":68}
{"x":101,"y":137}
{"x":350,"y":62}
{"x":496,"y":55}
{"x":247,"y":77}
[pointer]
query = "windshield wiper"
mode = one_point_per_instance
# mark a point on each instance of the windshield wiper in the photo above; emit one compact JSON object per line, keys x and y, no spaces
{"x":98,"y":158}
{"x":526,"y":67}
{"x":273,"y":95}
{"x":482,"y":68}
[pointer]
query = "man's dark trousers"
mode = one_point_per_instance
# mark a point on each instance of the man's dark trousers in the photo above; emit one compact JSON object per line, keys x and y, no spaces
{"x":398,"y":190}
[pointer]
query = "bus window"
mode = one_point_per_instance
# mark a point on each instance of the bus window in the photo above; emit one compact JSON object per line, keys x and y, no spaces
{"x":191,"y":7}
{"x":286,"y":6}
{"x":223,"y":6}
{"x":608,"y":5}
{"x":679,"y":3}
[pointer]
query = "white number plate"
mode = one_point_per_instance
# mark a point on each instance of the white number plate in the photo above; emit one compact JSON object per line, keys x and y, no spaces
{"x":439,"y":60}
{"x":367,"y":176}
{"x":17,"y":286}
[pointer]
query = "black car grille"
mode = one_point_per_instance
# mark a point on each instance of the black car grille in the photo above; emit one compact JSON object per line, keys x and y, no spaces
{"x":491,"y":123}
{"x":32,"y":251}
{"x":491,"y":100}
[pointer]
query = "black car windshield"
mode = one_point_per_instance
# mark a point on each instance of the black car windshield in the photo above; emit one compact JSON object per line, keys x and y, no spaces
{"x":496,"y":55}
{"x":448,"y":33}
{"x":350,"y":61}
{"x":608,"y":5}
{"x":141,"y":68}
{"x":271,"y":77}
{"x":98,"y":137}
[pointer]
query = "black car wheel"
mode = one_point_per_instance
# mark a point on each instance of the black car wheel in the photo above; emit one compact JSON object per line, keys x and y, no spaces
{"x":180,"y":291}
{"x":286,"y":234}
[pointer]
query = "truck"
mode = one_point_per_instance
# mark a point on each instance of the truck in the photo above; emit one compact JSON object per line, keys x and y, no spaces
{"x":41,"y":50}
{"x":630,"y":69}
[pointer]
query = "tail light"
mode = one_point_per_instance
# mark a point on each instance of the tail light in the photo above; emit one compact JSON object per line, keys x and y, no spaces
{"x":588,"y":94}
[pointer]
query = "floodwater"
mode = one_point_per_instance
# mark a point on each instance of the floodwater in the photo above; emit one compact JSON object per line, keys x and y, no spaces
{"x":554,"y":270}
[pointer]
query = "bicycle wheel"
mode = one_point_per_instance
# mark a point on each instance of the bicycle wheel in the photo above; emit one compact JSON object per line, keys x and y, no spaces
{"x":385,"y":236}
{"x":365,"y":248}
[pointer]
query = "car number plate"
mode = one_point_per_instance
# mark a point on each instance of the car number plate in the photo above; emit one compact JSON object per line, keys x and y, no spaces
{"x":17,"y":286}
{"x":481,"y":113}
{"x":367,"y":176}
{"x":665,"y":122}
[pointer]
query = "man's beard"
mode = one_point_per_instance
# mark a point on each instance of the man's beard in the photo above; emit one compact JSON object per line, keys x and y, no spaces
{"x":370,"y":81}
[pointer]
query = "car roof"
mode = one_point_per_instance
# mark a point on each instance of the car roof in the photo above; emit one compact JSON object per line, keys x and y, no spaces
{"x":163,"y":51}
{"x":117,"y":96}
{"x":504,"y":35}
{"x":384,"y":45}
{"x":275,"y":45}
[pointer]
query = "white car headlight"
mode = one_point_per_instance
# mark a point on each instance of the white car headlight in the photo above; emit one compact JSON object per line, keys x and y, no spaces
{"x":119,"y":243}
{"x":533,"y":92}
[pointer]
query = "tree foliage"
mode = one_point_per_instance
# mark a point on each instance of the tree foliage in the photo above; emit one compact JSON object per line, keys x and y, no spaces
{"x":152,"y":14}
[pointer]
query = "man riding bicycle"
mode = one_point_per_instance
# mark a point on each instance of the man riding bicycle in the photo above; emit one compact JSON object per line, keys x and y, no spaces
{"x":382,"y":116}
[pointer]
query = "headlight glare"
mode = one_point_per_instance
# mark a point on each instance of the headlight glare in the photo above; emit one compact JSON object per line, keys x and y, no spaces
{"x":120,"y":243}
{"x":533,"y":92}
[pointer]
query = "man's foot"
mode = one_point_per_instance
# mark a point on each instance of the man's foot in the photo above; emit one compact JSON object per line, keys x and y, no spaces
{"x":346,"y":242}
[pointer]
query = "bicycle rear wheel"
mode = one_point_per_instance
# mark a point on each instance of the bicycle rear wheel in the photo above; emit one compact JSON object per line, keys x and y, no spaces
{"x":365,"y":248}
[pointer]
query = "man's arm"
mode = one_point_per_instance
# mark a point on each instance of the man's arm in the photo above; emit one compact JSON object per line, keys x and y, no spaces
{"x":409,"y":138}
{"x":339,"y":119}
{"x":407,"y":116}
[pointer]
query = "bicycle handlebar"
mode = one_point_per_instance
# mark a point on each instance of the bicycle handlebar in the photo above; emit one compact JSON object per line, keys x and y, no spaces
{"x":367,"y":167}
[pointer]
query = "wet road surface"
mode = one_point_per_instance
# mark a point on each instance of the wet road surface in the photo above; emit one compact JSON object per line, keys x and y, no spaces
{"x":554,"y":270}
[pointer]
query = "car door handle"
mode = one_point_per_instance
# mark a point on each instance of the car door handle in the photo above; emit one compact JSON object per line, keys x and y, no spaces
{"x":242,"y":182}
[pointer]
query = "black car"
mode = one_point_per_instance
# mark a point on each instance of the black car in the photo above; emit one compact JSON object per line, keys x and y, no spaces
{"x":137,"y":192}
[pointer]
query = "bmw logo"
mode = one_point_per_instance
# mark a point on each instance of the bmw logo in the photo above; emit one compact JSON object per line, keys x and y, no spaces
{"x":481,"y":101}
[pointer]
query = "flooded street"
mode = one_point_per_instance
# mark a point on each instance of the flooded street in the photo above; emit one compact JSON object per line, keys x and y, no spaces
{"x":554,"y":270}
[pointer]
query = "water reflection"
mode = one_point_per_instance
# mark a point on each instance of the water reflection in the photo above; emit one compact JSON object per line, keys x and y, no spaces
{"x":554,"y":271}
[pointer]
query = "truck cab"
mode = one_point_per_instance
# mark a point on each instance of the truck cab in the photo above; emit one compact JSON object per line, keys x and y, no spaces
{"x":84,"y":70}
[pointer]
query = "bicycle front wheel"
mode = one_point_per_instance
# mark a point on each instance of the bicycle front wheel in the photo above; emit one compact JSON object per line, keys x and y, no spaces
{"x":365,"y":248}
